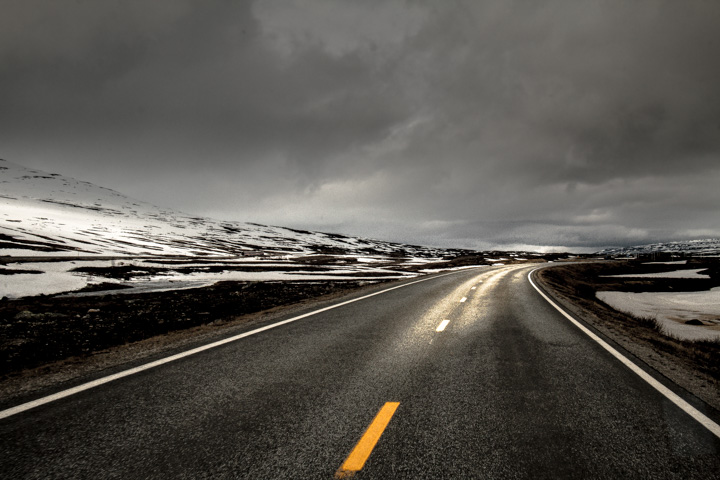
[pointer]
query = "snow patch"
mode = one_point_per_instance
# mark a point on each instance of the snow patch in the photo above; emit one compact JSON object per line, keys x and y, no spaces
{"x":694,"y":273}
{"x":678,"y":262}
{"x":672,"y":310}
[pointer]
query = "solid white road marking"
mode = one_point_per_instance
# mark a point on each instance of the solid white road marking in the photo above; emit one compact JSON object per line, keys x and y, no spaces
{"x":442,"y":325}
{"x":669,"y":394}
{"x":125,"y":373}
{"x":463,"y":299}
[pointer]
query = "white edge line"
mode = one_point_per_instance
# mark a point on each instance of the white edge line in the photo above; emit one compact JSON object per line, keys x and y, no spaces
{"x":442,"y":325}
{"x":125,"y":373}
{"x":669,"y":394}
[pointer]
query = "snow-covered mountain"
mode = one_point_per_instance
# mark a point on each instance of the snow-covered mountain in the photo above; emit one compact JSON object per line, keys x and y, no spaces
{"x":51,"y":214}
{"x":709,"y":246}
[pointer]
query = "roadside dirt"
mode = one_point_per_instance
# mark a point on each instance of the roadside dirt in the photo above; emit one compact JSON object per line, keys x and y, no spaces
{"x":694,"y":366}
{"x":46,"y":341}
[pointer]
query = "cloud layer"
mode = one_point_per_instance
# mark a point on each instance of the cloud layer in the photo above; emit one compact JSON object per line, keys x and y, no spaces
{"x":475,"y":124}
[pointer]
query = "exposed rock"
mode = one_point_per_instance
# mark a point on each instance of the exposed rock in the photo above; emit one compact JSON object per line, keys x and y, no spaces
{"x":27,"y":315}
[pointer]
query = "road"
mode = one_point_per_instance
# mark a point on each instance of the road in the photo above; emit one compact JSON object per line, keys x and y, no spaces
{"x":509,"y":389}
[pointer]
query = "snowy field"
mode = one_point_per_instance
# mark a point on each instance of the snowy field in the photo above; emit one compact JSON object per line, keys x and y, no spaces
{"x":63,"y":234}
{"x":672,"y":310}
{"x":59,"y":277}
{"x":48,"y":214}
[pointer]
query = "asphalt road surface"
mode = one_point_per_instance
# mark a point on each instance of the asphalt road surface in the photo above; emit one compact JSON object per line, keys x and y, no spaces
{"x":508,"y":389}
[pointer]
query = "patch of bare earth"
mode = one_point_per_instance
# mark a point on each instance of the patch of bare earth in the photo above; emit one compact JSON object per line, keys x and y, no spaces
{"x":693,"y":365}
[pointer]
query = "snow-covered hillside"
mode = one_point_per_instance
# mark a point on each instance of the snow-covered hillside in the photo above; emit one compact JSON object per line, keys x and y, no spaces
{"x":51,"y":214}
{"x":709,"y":246}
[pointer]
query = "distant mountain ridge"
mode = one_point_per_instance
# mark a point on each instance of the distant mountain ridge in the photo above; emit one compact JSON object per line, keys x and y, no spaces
{"x":50,"y":214}
{"x":708,"y":246}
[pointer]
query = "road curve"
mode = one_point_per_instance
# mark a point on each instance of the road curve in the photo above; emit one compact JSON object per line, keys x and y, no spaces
{"x":507,"y":388}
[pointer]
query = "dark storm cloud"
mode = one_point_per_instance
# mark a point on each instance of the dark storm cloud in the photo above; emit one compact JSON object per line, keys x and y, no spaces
{"x":479,"y":124}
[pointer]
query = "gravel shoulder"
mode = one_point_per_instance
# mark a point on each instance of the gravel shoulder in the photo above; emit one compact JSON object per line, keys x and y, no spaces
{"x":694,"y":366}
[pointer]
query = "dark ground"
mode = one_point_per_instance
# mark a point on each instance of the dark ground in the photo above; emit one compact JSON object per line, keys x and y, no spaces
{"x":40,"y":330}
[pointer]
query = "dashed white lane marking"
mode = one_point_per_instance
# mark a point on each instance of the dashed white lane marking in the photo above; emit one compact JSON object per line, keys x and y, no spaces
{"x":442,"y":325}
{"x":463,"y":299}
{"x":473,"y":288}
{"x":669,"y":394}
{"x":126,"y":373}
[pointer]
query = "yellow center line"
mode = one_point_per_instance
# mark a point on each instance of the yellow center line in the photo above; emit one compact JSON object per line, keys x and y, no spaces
{"x":355,"y":461}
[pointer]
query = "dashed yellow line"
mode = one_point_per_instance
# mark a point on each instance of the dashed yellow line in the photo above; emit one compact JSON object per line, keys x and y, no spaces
{"x":359,"y":455}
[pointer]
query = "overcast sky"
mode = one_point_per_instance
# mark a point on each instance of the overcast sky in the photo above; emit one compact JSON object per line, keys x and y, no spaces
{"x":452,"y":123}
